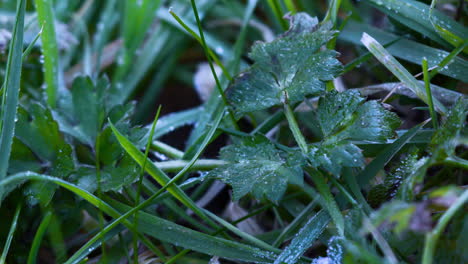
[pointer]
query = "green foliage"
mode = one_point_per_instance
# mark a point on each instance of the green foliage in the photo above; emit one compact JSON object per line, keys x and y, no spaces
{"x":287,"y":69}
{"x":318,"y":172}
{"x":345,"y":117}
{"x":259,"y":167}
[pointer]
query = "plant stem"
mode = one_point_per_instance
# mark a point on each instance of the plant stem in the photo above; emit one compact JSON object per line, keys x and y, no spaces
{"x":427,"y":85}
{"x":167,"y":150}
{"x":201,"y":164}
{"x":295,"y":128}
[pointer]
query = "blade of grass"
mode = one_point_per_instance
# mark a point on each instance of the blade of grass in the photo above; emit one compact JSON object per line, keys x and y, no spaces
{"x":55,"y":236}
{"x":419,"y":17}
{"x":328,"y":202}
{"x":11,"y":233}
{"x":433,"y":236}
{"x":45,"y":16}
{"x":11,"y":93}
{"x":31,"y":45}
{"x":199,"y":40}
{"x":406,"y":49}
{"x":291,"y":6}
{"x":427,"y":85}
{"x":364,"y":57}
{"x":207,"y":55}
{"x":294,"y":225}
{"x":140,"y":180}
{"x":158,"y":227}
{"x":304,"y":238}
{"x":386,"y":155}
{"x":445,"y":33}
{"x":38,"y":237}
{"x":170,"y":122}
{"x":161,"y":177}
{"x":448,"y":59}
{"x":332,"y":12}
{"x":255,"y":241}
{"x":276,"y":8}
{"x":213,"y":104}
{"x":398,"y":70}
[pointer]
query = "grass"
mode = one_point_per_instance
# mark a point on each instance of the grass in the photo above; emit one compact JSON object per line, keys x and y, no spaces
{"x":276,"y":166}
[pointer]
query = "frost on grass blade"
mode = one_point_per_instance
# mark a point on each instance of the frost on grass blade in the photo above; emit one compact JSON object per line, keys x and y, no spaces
{"x":347,"y":116}
{"x":292,"y":64}
{"x":257,"y":166}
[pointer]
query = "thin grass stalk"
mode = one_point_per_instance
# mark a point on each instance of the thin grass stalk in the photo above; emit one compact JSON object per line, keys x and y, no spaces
{"x":45,"y":16}
{"x":12,"y":89}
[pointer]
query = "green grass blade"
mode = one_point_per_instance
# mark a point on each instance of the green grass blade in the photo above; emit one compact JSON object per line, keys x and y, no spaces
{"x":212,"y":55}
{"x":406,"y":49}
{"x":439,"y":20}
{"x":328,"y":201}
{"x":38,"y":237}
{"x":253,"y":240}
{"x":386,"y":155}
{"x":158,"y":227}
{"x":433,"y":236}
{"x":11,"y":233}
{"x":294,"y":225}
{"x":304,"y":239}
{"x":276,"y":8}
{"x":419,"y":17}
{"x":332,"y":12}
{"x":443,"y":64}
{"x":45,"y":15}
{"x":170,"y":122}
{"x":427,"y":86}
{"x":31,"y":45}
{"x":161,"y":177}
{"x":196,"y":241}
{"x":398,"y":70}
{"x":140,"y":180}
{"x":364,"y":57}
{"x":12,"y":86}
{"x":207,"y":55}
